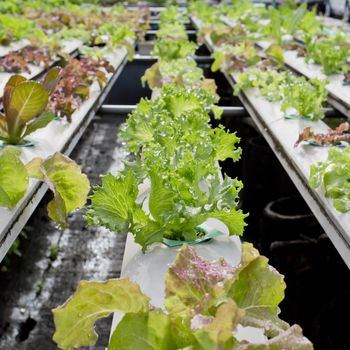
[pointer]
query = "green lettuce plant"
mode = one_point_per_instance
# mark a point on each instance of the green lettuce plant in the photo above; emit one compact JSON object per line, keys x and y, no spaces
{"x":173,"y":49}
{"x":178,"y":111}
{"x":225,"y":35}
{"x":173,"y":31}
{"x":182,"y":71}
{"x":172,"y":14}
{"x":172,"y":42}
{"x":73,"y":33}
{"x":178,"y":152}
{"x":268,"y":82}
{"x":116,"y":35}
{"x":207,"y":14}
{"x":205,"y":304}
{"x":176,"y":205}
{"x":333,"y":177}
{"x":330,"y":52}
{"x":306,"y":97}
{"x":245,"y":12}
{"x":13,"y":28}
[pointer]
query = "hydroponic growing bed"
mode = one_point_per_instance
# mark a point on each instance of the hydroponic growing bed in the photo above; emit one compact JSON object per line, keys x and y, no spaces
{"x":206,"y":201}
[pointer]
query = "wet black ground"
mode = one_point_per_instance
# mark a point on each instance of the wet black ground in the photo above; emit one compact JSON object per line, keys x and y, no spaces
{"x":53,"y":262}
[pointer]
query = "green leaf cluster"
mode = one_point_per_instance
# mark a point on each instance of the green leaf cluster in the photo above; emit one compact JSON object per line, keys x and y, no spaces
{"x":205,"y":303}
{"x":181,"y":72}
{"x":289,"y":21}
{"x":208,"y":14}
{"x":333,"y":177}
{"x":172,"y":31}
{"x":172,"y":42}
{"x":14,"y":179}
{"x":173,"y":14}
{"x":18,"y":6}
{"x":330,"y":52}
{"x":305,"y":97}
{"x":12,"y":28}
{"x":268,"y":82}
{"x":115,"y":35}
{"x":177,"y":151}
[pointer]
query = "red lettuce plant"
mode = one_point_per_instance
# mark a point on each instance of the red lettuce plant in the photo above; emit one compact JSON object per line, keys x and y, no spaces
{"x":74,"y":86}
{"x":25,"y":107}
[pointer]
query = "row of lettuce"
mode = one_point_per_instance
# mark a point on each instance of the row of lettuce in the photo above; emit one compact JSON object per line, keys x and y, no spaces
{"x":44,"y":30}
{"x":289,"y":26}
{"x":18,"y":6}
{"x":292,"y":28}
{"x":29,"y":106}
{"x":101,"y":30}
{"x":174,"y":184}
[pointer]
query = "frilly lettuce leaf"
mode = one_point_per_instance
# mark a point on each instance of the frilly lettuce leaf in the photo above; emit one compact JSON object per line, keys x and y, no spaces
{"x":287,"y":89}
{"x":113,"y":204}
{"x":226,"y":145}
{"x":268,"y":82}
{"x":172,"y":14}
{"x":331,"y":52}
{"x":172,"y":31}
